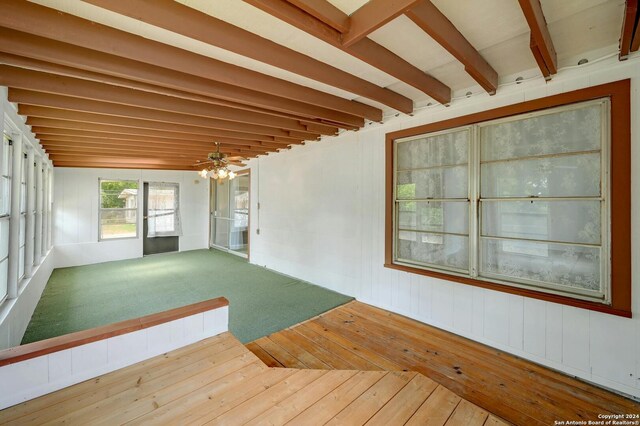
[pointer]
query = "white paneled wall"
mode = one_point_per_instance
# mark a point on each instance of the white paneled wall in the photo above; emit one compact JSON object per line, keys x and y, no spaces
{"x":321,"y":218}
{"x":75,"y":214}
{"x":15,"y":314}
{"x":38,"y":376}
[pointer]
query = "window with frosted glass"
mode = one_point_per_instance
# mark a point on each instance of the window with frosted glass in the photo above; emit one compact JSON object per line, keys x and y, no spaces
{"x":5,"y":185}
{"x":432,"y":200}
{"x":521,"y":201}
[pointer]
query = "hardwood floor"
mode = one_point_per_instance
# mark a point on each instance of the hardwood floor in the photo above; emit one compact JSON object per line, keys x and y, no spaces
{"x":219,"y":381}
{"x":359,"y":336}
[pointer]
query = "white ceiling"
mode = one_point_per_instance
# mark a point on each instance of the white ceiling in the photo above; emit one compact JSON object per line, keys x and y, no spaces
{"x":579,"y":28}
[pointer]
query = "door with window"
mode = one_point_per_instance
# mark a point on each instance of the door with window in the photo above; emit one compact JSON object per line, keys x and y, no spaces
{"x":230,"y":214}
{"x":161,"y":218}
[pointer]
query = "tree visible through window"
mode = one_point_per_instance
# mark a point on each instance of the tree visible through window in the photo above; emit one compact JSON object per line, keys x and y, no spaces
{"x":118,"y":209}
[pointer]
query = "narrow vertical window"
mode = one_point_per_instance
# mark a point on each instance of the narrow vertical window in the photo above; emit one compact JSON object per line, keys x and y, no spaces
{"x":432,"y":200}
{"x":23,"y":217}
{"x":5,"y":186}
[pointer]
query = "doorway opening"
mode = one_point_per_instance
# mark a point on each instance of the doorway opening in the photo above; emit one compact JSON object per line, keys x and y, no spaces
{"x":230,"y":214}
{"x":161,"y":220}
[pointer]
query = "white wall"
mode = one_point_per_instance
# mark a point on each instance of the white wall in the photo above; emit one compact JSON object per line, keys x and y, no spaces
{"x":321,"y":219}
{"x":15,"y":314}
{"x":34,"y":377}
{"x":75,"y":214}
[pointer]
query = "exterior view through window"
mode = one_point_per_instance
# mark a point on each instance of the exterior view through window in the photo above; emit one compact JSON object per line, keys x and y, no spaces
{"x":163,"y":206}
{"x":5,"y":186}
{"x":118,"y":209}
{"x":521,"y":201}
{"x":230,"y":214}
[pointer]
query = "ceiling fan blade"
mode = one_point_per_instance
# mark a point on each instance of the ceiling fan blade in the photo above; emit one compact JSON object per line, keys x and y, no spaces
{"x":236,"y":158}
{"x":239,"y":164}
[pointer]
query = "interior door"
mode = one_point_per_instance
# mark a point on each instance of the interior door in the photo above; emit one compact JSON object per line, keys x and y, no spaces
{"x":158,"y":244}
{"x":230,"y":214}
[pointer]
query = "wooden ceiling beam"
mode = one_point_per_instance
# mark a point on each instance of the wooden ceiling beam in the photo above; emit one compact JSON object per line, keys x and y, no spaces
{"x":150,"y":143}
{"x":79,"y":151}
{"x":74,"y":146}
{"x":37,"y":112}
{"x":371,"y":16}
{"x":325,"y":12}
{"x":429,"y":18}
{"x":21,"y":15}
{"x":629,"y":38}
{"x":116,"y":143}
{"x":132,"y":158}
{"x":106,"y":135}
{"x":53,"y":125}
{"x":216,"y":32}
{"x":92,"y":159}
{"x":42,"y":54}
{"x":105,"y":108}
{"x":540,"y":42}
{"x":192,"y":158}
{"x":365,"y":49}
{"x":101,"y":135}
{"x":173,"y":150}
{"x":115,"y":165}
{"x":37,"y":81}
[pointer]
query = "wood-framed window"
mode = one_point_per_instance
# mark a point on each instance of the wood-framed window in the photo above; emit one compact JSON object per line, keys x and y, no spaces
{"x":531,"y":199}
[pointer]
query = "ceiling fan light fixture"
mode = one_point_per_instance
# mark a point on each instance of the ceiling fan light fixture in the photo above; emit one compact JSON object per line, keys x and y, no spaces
{"x":217,"y":167}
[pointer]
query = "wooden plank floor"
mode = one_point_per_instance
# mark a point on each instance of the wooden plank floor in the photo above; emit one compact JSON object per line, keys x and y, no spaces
{"x":219,"y":381}
{"x":359,"y":336}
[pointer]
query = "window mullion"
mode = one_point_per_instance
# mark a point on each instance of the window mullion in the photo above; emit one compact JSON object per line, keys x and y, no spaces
{"x":474,"y":193}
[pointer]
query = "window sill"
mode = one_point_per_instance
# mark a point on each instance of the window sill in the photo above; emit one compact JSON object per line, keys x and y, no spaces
{"x":103,"y":240}
{"x":554,"y":298}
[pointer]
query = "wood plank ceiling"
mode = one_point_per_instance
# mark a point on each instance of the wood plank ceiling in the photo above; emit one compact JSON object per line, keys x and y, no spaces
{"x":154,"y":83}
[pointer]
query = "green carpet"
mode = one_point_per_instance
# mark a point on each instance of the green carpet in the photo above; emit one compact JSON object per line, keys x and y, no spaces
{"x":260,"y":301}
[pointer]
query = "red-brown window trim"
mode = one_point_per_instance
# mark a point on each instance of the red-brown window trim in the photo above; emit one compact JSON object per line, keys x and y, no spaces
{"x":620,"y":197}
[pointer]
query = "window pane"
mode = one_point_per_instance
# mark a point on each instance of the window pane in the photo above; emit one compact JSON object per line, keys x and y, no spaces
{"x":559,"y":132}
{"x":21,"y":262}
{"x":434,"y":249}
{"x":4,"y":237}
{"x":23,"y":198}
{"x":220,"y":231}
{"x":6,"y":156}
{"x":434,"y":216}
{"x":565,"y":221}
{"x":162,"y":208}
{"x":23,"y":225}
{"x":118,"y":223}
{"x":568,"y":265}
{"x":445,"y":149}
{"x":4,"y":264}
{"x":5,"y":192}
{"x":566,"y":176}
{"x":446,"y":182}
{"x":118,"y":194}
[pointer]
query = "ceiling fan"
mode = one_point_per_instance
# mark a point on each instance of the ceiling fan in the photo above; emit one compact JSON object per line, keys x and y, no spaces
{"x":216,"y":164}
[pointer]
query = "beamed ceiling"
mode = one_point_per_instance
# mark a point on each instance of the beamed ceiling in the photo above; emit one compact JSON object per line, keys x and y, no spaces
{"x":154,"y":83}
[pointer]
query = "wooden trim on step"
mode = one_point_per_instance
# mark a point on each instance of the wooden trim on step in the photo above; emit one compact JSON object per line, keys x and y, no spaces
{"x":620,"y":198}
{"x":67,"y":341}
